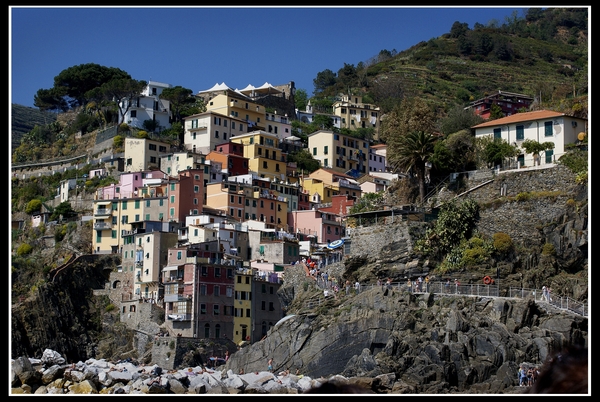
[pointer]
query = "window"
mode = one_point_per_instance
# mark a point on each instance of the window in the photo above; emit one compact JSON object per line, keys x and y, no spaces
{"x":314,"y":151}
{"x":196,"y":189}
{"x":549,"y":155}
{"x":217,"y":272}
{"x":152,"y":147}
{"x":203,"y":310}
{"x":263,"y":305}
{"x":548,"y":129}
{"x":204,"y":271}
{"x":325,"y":150}
{"x":497,"y":133}
{"x":202,"y":290}
{"x":217,"y":290}
{"x":520,"y":133}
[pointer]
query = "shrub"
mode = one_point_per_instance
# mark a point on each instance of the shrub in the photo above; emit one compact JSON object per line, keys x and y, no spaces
{"x":548,"y":249}
{"x":523,"y":197}
{"x":502,"y":242}
{"x":33,"y":206}
{"x":24,"y":249}
{"x":474,"y":256}
{"x":109,"y":307}
{"x":60,"y":232}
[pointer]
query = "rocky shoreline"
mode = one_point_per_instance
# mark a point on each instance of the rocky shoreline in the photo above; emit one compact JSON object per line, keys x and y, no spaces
{"x":50,"y":375}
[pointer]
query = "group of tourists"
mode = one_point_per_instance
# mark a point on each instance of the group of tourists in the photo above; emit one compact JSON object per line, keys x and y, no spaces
{"x":527,"y":375}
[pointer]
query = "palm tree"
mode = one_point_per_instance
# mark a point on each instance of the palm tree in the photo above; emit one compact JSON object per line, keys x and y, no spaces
{"x":412,"y":152}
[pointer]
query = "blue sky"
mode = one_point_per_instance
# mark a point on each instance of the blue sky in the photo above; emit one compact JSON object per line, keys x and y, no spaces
{"x":199,"y":47}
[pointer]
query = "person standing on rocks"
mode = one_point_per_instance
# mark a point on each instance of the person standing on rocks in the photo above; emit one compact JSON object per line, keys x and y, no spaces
{"x":270,"y":365}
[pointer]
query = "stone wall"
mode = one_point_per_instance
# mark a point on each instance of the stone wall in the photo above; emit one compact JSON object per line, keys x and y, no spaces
{"x":523,"y":221}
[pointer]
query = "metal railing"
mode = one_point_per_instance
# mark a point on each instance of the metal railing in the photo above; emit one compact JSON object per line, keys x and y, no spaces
{"x":449,"y":289}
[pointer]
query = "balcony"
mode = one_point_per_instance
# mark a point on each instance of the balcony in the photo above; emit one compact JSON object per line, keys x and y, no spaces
{"x":102,"y":226}
{"x":179,"y":317}
{"x":103,"y":212}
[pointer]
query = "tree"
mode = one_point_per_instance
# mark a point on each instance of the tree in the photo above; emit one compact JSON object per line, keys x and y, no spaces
{"x":535,"y":148}
{"x":496,"y":112}
{"x":412,"y":152}
{"x":459,"y":29}
{"x":324,"y":79}
{"x":456,"y":153}
{"x":74,"y":82}
{"x":304,"y":160}
{"x":179,"y":98}
{"x":65,"y":209}
{"x":321,"y":122}
{"x":497,"y":150}
{"x":413,"y":114}
{"x":121,"y":92}
{"x":50,"y":100}
{"x":301,"y":99}
{"x":458,"y":119}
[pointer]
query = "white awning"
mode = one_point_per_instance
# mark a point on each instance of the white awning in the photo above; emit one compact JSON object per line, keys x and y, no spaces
{"x":170,"y":268}
{"x":103,"y":202}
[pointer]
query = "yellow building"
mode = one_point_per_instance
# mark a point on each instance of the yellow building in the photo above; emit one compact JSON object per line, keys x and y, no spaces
{"x":340,"y":183}
{"x":263,"y":153}
{"x":228,"y":102}
{"x":355,"y":114}
{"x":319,"y":191}
{"x":339,"y":152}
{"x":143,"y":153}
{"x":242,"y":308}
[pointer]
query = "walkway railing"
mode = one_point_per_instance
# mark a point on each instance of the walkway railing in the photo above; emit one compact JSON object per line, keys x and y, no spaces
{"x":449,"y":289}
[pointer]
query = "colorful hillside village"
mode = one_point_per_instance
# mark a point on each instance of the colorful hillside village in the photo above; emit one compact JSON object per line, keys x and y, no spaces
{"x":207,"y":230}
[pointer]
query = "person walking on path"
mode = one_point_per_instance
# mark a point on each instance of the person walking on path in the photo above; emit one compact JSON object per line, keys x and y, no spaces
{"x":270,"y":365}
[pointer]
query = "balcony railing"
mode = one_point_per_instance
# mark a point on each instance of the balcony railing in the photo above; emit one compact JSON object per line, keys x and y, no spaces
{"x":102,"y":226}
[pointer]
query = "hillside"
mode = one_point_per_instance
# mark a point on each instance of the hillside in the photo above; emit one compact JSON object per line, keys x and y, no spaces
{"x":545,"y":57}
{"x":24,"y":119}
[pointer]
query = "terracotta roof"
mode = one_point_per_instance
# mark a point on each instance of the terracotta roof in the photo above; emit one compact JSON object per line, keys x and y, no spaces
{"x":521,"y":117}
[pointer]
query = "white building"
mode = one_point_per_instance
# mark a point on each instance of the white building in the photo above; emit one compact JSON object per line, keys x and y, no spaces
{"x":148,"y":106}
{"x":541,"y":126}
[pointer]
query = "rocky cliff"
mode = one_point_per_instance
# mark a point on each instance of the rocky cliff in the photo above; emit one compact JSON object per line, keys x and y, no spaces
{"x":421,"y":343}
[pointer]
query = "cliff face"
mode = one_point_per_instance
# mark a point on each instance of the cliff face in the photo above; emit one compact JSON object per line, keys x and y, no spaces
{"x":424,"y":343}
{"x":63,"y":314}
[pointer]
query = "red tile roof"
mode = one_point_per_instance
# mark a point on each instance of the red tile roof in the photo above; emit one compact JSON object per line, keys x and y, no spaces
{"x":521,"y":117}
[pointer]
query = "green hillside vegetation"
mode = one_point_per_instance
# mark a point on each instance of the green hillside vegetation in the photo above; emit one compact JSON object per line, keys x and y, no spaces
{"x":24,"y":119}
{"x":544,"y":54}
